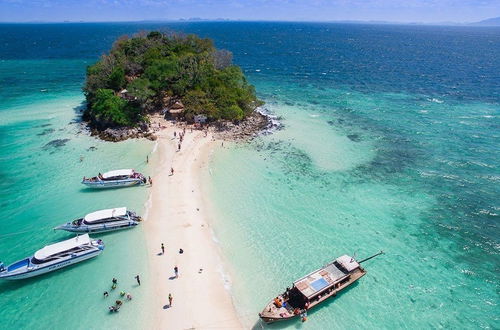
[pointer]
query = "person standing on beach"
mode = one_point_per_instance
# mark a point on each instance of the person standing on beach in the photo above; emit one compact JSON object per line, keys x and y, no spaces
{"x":176,"y":271}
{"x":150,"y":181}
{"x":138,"y":279}
{"x":162,"y":248}
{"x":170,"y":299}
{"x":171,"y":171}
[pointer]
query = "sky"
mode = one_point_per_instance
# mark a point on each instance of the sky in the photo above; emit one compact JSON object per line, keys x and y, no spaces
{"x":425,"y":11}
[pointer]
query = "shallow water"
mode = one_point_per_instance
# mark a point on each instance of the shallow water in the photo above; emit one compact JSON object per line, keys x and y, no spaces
{"x":389,"y":141}
{"x":45,"y":155}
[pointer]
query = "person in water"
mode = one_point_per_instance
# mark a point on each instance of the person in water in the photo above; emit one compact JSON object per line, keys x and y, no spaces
{"x":129,"y":296}
{"x":106,"y":294}
{"x":138,"y":279}
{"x":122,"y":293}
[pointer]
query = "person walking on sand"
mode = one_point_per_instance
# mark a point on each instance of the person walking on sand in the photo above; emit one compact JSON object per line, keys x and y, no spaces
{"x":170,"y":299}
{"x":162,"y":248}
{"x":150,"y":181}
{"x":179,"y":147}
{"x":175,"y":134}
{"x":138,"y":279}
{"x":171,"y":171}
{"x":176,"y":271}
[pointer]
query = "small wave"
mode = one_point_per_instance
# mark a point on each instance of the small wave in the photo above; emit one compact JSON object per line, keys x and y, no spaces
{"x":155,"y":147}
{"x":467,"y":272}
{"x":314,"y":115}
{"x":147,"y":206}
{"x":257,"y":70}
{"x":435,"y":100}
{"x":274,"y":123}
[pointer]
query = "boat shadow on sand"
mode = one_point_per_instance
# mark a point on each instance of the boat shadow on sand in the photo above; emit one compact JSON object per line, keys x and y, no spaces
{"x":296,"y":322}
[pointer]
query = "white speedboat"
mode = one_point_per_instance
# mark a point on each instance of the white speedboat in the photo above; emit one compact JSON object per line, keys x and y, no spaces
{"x":102,"y":221}
{"x":53,"y":257}
{"x":115,"y":179}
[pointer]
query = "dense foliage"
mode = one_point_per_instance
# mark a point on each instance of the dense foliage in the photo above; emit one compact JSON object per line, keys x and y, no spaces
{"x":157,"y":70}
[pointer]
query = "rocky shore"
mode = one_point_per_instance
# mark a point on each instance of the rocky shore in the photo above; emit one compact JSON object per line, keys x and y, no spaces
{"x":250,"y":127}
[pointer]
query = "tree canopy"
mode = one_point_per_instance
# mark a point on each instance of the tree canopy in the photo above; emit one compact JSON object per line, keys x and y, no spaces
{"x":157,"y":70}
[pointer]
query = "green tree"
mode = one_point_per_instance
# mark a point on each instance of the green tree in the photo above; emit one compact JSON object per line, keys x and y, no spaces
{"x":109,"y":108}
{"x":116,"y":79}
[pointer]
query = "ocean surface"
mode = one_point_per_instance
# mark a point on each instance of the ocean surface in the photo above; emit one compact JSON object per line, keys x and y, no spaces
{"x":388,"y":141}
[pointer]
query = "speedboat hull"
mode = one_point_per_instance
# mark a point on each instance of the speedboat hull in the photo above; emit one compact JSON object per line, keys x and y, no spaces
{"x":112,"y":183}
{"x":102,"y":228}
{"x":53,"y":257}
{"x":27,"y":273}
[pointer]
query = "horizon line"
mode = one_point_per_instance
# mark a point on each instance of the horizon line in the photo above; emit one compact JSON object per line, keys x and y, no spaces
{"x":192,"y":20}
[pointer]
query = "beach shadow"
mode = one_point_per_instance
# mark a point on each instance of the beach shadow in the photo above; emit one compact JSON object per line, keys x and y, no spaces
{"x":172,"y":278}
{"x":159,"y":254}
{"x":166,"y":307}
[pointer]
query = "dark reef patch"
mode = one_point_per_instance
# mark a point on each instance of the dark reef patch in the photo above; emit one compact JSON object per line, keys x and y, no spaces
{"x":56,"y":143}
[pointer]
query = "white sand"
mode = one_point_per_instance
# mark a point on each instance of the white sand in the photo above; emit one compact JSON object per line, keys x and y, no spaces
{"x":177,"y":217}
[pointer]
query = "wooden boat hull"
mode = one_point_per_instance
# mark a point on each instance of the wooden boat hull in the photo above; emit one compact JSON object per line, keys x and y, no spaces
{"x":269,"y":318}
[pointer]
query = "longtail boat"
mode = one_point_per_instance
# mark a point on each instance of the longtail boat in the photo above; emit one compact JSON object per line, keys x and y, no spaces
{"x":314,"y":288}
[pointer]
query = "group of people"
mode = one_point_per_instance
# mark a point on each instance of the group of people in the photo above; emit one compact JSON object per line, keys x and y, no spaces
{"x":123,"y":294}
{"x":176,"y":272}
{"x":181,"y":138}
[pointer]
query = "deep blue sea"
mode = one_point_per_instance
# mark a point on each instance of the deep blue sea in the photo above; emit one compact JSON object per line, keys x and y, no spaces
{"x":389,"y":140}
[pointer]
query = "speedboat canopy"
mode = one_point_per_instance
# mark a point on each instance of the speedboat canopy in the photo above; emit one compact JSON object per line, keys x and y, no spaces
{"x":105,"y":214}
{"x":50,"y":250}
{"x":115,"y":173}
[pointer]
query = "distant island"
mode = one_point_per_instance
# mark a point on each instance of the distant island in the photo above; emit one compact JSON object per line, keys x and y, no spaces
{"x":488,"y":22}
{"x":182,"y":76}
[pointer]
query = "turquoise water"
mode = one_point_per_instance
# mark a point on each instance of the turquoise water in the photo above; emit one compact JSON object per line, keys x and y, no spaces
{"x":389,"y":141}
{"x":45,"y":154}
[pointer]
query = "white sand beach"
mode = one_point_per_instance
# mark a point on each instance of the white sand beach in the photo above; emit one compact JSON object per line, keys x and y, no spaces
{"x":177,"y":216}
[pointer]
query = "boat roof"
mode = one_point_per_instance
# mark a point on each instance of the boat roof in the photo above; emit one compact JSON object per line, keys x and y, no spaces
{"x":324,"y":277}
{"x":348,"y":262}
{"x":114,"y":173}
{"x":105,"y":214}
{"x":58,"y":247}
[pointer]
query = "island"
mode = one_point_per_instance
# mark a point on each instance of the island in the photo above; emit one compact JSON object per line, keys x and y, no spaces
{"x":183,"y":77}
